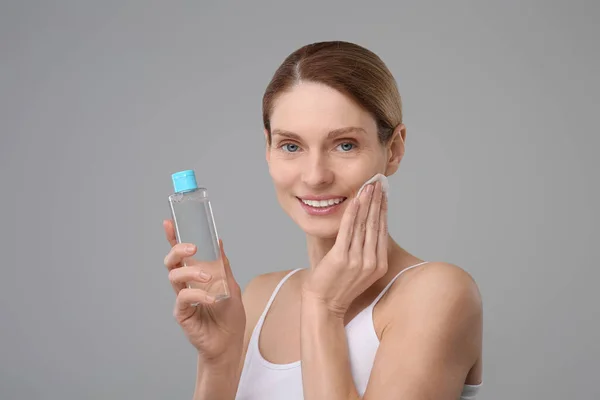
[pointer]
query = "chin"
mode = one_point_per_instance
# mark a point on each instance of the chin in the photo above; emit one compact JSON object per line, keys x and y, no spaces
{"x":319,"y":227}
{"x":322,"y":229}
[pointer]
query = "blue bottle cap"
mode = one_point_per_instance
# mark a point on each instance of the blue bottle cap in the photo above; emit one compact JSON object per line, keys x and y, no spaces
{"x":184,"y":181}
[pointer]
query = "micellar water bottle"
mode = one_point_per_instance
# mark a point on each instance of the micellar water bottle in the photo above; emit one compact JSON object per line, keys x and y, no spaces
{"x":194,"y":223}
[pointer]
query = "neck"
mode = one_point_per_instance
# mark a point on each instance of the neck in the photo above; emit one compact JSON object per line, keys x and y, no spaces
{"x":319,"y":247}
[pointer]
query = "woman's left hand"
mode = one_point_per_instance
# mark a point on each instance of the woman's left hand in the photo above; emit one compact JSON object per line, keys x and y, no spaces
{"x":359,"y":256}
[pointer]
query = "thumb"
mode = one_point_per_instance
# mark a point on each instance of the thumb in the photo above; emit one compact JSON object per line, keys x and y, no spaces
{"x":226,"y":264}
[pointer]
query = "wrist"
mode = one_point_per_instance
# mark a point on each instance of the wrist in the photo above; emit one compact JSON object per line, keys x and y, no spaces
{"x":223,"y":363}
{"x":319,"y":308}
{"x":217,"y":379}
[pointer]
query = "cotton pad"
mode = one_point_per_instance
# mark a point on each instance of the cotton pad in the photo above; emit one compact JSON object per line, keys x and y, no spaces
{"x":378,"y":177}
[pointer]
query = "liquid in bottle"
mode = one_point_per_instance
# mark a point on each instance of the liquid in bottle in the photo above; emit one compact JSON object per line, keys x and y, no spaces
{"x":194,"y":223}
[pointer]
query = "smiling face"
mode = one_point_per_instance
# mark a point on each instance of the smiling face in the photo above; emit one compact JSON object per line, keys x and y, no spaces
{"x":324,"y":147}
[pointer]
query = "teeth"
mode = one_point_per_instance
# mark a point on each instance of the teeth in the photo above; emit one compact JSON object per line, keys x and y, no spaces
{"x":323,"y":203}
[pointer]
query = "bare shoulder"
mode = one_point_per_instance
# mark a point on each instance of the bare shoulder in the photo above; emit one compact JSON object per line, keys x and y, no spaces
{"x":437,"y":308}
{"x":255,"y":296}
{"x":440,"y":290}
{"x":259,"y":289}
{"x":257,"y":293}
{"x":434,"y":322}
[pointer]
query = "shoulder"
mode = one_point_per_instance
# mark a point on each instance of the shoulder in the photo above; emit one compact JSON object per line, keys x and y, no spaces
{"x":255,"y":296}
{"x":439,"y":293}
{"x":435,"y":323}
{"x":441,"y":278}
{"x":257,"y":293}
{"x":261,"y":286}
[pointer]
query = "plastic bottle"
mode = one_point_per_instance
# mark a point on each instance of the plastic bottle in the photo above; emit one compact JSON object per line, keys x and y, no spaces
{"x":194,"y":223}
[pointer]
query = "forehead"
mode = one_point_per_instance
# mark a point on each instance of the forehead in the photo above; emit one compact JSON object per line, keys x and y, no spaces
{"x":314,"y":107}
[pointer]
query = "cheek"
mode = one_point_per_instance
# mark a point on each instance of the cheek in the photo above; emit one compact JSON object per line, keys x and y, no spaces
{"x":282,"y":173}
{"x":356,"y":171}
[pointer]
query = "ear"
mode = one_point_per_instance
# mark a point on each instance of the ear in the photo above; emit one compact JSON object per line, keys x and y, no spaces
{"x":267,"y":146}
{"x":395,"y":149}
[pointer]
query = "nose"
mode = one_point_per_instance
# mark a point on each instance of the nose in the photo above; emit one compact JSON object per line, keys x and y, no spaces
{"x":317,"y":171}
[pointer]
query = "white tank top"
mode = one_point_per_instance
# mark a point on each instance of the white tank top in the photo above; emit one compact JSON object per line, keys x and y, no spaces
{"x":263,"y":380}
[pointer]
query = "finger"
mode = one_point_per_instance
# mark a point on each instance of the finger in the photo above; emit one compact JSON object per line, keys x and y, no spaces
{"x":372,"y":229}
{"x":191,"y":297}
{"x":226,"y":265}
{"x":180,"y":277}
{"x":382,"y":240}
{"x":177,"y":253}
{"x":170,"y":232}
{"x":234,"y":287}
{"x":187,"y":274}
{"x":344,"y":235}
{"x":360,"y":224}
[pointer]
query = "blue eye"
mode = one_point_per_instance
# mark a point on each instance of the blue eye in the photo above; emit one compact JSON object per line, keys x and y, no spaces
{"x":291,"y":147}
{"x":347,"y":146}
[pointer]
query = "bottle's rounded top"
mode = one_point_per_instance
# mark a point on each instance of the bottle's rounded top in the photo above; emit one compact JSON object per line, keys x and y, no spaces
{"x":184,"y":181}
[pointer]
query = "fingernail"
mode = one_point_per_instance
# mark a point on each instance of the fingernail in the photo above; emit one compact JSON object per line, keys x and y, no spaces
{"x":190,"y":248}
{"x":210,"y":298}
{"x":204,"y":275}
{"x":369,"y":188}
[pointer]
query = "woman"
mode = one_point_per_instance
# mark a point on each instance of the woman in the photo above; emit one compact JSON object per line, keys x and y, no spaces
{"x":367,"y":319}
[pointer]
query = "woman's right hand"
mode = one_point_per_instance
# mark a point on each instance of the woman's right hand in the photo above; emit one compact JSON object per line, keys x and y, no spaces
{"x":216,"y":330}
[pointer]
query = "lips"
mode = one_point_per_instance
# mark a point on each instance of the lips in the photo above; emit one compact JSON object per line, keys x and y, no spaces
{"x":321,"y":205}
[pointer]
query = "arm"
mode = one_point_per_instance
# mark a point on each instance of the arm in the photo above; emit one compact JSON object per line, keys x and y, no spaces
{"x":433,"y":340}
{"x":218,"y":382}
{"x":325,"y":362}
{"x":431,"y":343}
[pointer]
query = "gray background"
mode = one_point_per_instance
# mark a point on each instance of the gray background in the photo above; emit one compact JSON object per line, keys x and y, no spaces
{"x":101,"y":101}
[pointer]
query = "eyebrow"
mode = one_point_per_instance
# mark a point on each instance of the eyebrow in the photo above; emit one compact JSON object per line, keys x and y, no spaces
{"x":331,"y":135}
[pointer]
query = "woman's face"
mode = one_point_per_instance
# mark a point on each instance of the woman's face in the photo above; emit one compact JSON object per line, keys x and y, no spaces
{"x":324,"y":147}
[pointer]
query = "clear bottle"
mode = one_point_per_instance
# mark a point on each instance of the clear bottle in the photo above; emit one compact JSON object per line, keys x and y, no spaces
{"x":194,"y":223}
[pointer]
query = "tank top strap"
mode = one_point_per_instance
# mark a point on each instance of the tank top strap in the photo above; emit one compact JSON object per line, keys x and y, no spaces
{"x":275,"y":291}
{"x":380,"y":295}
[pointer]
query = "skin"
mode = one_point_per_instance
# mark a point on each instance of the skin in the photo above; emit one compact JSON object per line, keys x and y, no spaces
{"x":431,"y":316}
